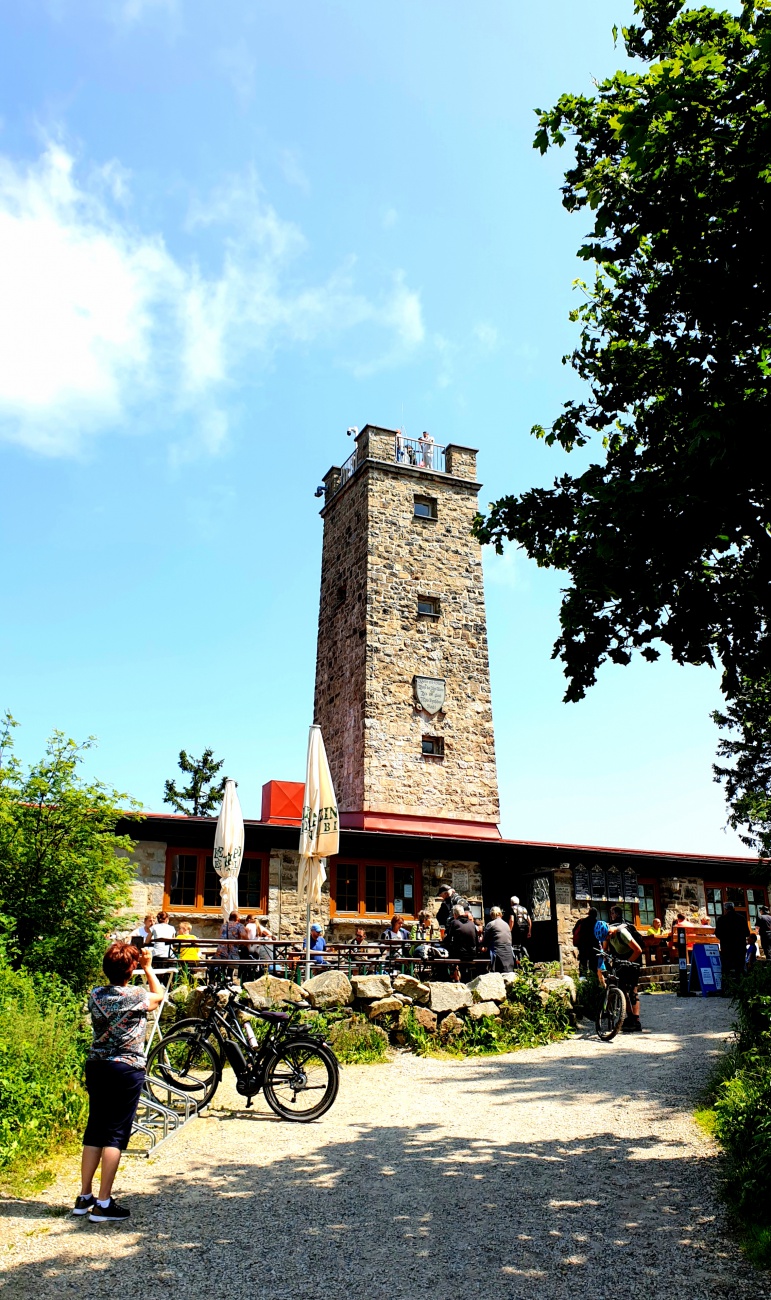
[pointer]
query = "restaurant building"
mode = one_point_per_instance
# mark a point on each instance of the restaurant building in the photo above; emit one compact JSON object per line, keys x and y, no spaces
{"x":404,"y":703}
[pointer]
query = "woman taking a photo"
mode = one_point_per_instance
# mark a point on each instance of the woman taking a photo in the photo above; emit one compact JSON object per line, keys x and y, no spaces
{"x":115,"y":1072}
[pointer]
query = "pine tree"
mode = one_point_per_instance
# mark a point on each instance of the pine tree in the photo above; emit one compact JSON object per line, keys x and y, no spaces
{"x":201,"y":797}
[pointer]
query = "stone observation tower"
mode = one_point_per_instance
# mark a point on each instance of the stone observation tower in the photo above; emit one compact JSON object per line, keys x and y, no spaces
{"x":402,"y":675}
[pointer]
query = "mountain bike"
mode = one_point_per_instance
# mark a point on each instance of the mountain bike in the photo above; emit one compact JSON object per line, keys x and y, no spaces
{"x":613,"y":1008}
{"x":296,"y":1069}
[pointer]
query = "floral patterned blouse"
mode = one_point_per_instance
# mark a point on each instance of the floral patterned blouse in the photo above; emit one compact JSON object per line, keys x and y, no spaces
{"x":119,"y":1017}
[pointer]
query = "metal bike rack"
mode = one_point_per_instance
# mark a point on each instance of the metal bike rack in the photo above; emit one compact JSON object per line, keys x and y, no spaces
{"x":156,"y":1121}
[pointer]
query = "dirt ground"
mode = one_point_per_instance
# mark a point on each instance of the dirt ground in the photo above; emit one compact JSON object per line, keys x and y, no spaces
{"x":571,"y":1170}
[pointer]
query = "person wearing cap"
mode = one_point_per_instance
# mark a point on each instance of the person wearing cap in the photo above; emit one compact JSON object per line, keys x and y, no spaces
{"x":450,"y":900}
{"x":318,"y":945}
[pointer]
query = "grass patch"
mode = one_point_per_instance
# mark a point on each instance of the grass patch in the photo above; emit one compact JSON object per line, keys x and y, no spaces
{"x":706,"y":1120}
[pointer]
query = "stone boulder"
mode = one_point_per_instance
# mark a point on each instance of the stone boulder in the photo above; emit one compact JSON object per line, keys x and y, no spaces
{"x":384,"y":1005}
{"x":422,"y":1016}
{"x":274,"y":989}
{"x":330,"y":989}
{"x":369,"y":987}
{"x":450,"y":1026}
{"x":489,"y":986}
{"x":481,"y":1009}
{"x":561,"y":984}
{"x":448,"y":997}
{"x":412,"y":988}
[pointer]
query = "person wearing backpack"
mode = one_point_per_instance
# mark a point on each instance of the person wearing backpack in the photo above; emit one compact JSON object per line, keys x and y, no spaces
{"x":520,"y":923}
{"x":625,"y":942}
{"x":584,"y":941}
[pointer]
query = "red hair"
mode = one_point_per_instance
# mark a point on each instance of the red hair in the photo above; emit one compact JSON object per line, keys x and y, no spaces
{"x":120,"y":961}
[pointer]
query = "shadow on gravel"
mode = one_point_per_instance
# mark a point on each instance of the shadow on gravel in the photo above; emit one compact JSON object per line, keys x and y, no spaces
{"x":394,"y":1214}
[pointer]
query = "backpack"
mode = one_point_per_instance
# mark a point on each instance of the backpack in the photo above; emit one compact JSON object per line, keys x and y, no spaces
{"x":521,"y":921}
{"x":626,"y":955}
{"x":578,"y":933}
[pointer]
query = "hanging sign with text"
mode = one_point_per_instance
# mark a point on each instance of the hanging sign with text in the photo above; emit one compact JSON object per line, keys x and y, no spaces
{"x":581,"y":889}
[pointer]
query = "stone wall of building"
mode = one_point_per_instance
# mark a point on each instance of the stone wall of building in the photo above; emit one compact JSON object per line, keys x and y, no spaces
{"x":378,"y":559}
{"x":149,"y":862}
{"x":339,"y":706}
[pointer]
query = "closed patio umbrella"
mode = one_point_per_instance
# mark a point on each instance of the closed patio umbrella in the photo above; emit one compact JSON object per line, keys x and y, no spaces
{"x":229,"y":848}
{"x":320,"y":833}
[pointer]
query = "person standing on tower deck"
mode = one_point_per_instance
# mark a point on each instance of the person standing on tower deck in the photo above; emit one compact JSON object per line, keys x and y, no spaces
{"x":426,"y":444}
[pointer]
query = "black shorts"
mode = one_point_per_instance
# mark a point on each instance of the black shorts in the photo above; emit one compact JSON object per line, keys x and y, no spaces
{"x":628,"y":974}
{"x":113,"y":1096}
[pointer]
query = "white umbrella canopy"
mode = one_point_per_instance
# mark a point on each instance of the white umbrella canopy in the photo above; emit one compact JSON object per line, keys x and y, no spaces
{"x":229,"y":848}
{"x":320,"y":833}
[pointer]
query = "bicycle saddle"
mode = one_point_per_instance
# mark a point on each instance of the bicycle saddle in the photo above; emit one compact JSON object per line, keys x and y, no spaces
{"x":276,"y":1017}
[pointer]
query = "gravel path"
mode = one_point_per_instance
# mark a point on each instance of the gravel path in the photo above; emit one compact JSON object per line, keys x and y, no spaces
{"x":572,"y":1170}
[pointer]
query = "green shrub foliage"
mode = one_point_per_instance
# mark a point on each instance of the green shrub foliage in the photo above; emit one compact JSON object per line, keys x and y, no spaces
{"x":43,"y":1044}
{"x":741,"y":1088}
{"x":63,"y":871}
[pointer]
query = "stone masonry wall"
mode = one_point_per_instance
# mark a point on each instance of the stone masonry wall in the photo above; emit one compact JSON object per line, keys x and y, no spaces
{"x":378,"y":558}
{"x":411,"y":557}
{"x":341,"y":655}
{"x":149,"y":862}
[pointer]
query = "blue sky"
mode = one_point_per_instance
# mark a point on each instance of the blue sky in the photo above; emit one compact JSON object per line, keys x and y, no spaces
{"x":227,"y":232}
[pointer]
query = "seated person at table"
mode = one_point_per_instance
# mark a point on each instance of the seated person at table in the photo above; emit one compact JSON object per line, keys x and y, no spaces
{"x":188,"y":951}
{"x":461,"y":939}
{"x":359,"y":950}
{"x":497,"y":938}
{"x":428,"y":936}
{"x":231,"y":929}
{"x":318,"y":945}
{"x":395,"y":935}
{"x":655,"y":929}
{"x":160,"y":934}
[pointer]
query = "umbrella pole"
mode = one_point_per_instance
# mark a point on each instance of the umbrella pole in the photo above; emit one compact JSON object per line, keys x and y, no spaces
{"x":308,"y":938}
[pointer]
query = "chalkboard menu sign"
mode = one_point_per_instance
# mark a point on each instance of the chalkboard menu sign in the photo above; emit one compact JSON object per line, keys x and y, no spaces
{"x":597,"y":883}
{"x":630,"y":885}
{"x":615,"y":884}
{"x":581,"y":889}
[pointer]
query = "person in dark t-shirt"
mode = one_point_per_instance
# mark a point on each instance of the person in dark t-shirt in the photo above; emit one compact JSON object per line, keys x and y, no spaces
{"x":732,"y":934}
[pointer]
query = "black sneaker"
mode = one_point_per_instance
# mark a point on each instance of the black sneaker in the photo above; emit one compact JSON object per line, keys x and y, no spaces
{"x":631,"y":1026}
{"x":111,"y":1213}
{"x":83,"y":1204}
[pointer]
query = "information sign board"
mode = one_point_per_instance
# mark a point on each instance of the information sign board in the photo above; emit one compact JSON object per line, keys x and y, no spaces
{"x":581,"y":889}
{"x":597,"y":883}
{"x":706,"y":971}
{"x":615,"y":885}
{"x":630,"y":885}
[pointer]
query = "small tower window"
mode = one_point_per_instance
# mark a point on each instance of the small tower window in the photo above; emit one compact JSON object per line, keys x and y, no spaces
{"x":429,"y":606}
{"x":425,"y":508}
{"x":433,"y":746}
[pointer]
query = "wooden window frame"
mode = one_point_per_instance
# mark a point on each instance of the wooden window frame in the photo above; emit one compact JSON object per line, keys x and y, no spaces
{"x":361,"y":913}
{"x":744,"y":885}
{"x":202,"y":854}
{"x":650,"y":880}
{"x":421,"y":498}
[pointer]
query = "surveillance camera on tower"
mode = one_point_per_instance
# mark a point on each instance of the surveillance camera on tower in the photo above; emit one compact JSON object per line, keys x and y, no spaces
{"x":353,"y":431}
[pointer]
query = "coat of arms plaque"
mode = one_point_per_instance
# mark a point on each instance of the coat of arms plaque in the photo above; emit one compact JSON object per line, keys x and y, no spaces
{"x":429,"y":692}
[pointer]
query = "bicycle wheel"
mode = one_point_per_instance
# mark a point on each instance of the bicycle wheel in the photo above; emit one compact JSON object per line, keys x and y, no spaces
{"x":301,"y":1080}
{"x":610,"y":1017}
{"x":185,"y":1060}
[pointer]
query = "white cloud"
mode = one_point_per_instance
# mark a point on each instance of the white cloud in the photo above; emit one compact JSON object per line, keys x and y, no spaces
{"x":292,"y":170}
{"x":100,"y":326}
{"x":390,"y":218}
{"x":487,"y":335}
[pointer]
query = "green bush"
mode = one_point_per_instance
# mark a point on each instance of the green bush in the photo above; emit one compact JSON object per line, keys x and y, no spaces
{"x":359,"y":1042}
{"x":43,"y":1044}
{"x":740,"y":1088}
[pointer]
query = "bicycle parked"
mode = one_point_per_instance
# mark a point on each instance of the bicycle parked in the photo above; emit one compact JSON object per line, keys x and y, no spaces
{"x":296,"y":1069}
{"x":615,"y":1003}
